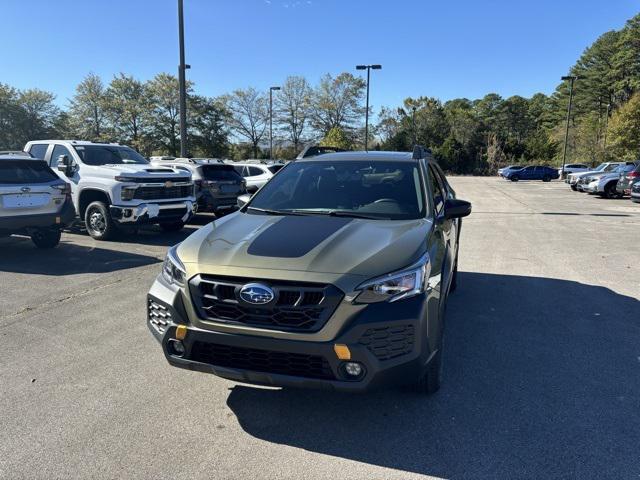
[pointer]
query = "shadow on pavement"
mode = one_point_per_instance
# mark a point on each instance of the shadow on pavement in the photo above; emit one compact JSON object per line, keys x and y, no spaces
{"x":20,"y":256}
{"x":542,"y":379}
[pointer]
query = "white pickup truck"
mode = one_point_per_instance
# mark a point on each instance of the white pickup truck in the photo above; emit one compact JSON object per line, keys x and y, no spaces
{"x":113,"y":185}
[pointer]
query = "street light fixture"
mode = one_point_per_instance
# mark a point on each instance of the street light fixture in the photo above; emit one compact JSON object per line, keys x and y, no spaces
{"x":368,"y":68}
{"x":182,"y":83}
{"x":571,"y":78}
{"x":271,"y":89}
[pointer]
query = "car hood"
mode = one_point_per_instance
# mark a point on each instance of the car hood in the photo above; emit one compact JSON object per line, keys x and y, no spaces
{"x":145,"y":172}
{"x":313,"y":243}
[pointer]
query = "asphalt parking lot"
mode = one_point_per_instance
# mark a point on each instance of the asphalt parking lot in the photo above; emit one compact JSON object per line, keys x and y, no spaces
{"x":542,"y":372}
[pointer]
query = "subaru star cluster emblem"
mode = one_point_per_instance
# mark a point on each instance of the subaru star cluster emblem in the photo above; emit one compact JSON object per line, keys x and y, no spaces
{"x":256,"y":293}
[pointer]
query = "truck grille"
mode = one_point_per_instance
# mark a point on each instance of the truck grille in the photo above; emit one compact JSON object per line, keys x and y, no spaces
{"x":296,"y":307}
{"x":163,"y":193}
{"x":389,"y":342}
{"x":268,"y":361}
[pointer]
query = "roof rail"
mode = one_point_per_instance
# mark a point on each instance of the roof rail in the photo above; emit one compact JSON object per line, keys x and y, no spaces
{"x":420,"y":152}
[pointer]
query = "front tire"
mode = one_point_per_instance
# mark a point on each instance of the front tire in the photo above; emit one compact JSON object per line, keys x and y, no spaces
{"x":46,"y":237}
{"x":515,"y":178}
{"x":546,"y":178}
{"x":98,"y":221}
{"x":574,"y":188}
{"x":172,"y":226}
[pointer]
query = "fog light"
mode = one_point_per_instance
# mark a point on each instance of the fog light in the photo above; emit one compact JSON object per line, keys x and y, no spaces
{"x":353,"y":369}
{"x":177,"y":347}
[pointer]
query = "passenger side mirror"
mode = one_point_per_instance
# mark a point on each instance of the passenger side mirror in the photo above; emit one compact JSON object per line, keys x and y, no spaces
{"x":456,"y":208}
{"x":243,"y":200}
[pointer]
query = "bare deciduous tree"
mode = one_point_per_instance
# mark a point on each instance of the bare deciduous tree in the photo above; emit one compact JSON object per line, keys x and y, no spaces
{"x":291,"y":108}
{"x":248,"y":115}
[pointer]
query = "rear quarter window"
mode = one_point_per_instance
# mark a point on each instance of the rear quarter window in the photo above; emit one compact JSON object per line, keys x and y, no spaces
{"x":25,"y":172}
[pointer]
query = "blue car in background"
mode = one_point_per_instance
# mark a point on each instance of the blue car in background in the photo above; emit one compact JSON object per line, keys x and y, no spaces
{"x":532,"y":172}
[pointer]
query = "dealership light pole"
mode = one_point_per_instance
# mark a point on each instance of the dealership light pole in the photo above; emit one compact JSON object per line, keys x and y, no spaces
{"x":571,"y":78}
{"x":368,"y":68}
{"x":271,"y":89}
{"x":182,"y":83}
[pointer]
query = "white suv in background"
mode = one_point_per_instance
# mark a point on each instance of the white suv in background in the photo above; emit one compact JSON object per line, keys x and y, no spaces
{"x":113,"y":185}
{"x":256,"y":174}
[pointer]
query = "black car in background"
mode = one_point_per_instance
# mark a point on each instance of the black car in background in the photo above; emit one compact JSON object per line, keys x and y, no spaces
{"x":635,"y":192}
{"x":627,"y":180}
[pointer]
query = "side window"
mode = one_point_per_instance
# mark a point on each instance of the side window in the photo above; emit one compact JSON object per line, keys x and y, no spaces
{"x":57,"y":151}
{"x":239,"y":169}
{"x":446,"y":188}
{"x":437,"y":195}
{"x":254,"y":172}
{"x":39,"y":150}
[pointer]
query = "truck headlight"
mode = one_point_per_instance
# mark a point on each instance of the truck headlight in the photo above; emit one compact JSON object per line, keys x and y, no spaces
{"x":397,"y":285}
{"x":127,"y":193}
{"x":173,"y":270}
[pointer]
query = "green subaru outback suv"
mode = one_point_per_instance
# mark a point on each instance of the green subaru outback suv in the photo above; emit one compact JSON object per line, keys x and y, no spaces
{"x":335,"y":275}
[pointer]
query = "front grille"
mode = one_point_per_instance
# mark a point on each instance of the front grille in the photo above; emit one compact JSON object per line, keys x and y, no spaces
{"x":163,"y":193}
{"x":296,"y":307}
{"x":294,"y":364}
{"x":389,"y":342}
{"x":158,"y":315}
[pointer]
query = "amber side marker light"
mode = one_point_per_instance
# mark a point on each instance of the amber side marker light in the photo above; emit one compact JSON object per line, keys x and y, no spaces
{"x":342,"y":351}
{"x":181,"y":332}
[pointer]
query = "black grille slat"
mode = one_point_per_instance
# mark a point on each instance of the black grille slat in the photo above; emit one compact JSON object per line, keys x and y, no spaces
{"x":163,"y":193}
{"x":389,"y":342}
{"x":267,"y":361}
{"x":297,"y":307}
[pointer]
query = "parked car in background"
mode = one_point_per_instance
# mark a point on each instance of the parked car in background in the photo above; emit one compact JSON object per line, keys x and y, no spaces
{"x":335,"y":275}
{"x":15,"y":153}
{"x":532,"y":172}
{"x":217,"y":184}
{"x":315,"y":150}
{"x":573,"y":168}
{"x":635,"y":192}
{"x":627,"y":180}
{"x":510,"y":167}
{"x":256,"y":174}
{"x":604,"y":183}
{"x":34,"y":201}
{"x":114,"y":186}
{"x":573,"y":179}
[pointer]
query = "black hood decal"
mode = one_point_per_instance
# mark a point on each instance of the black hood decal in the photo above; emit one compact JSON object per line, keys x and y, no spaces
{"x":295,"y":236}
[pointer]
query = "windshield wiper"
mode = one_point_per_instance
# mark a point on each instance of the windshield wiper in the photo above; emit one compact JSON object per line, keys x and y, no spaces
{"x":340,"y":213}
{"x":270,"y":211}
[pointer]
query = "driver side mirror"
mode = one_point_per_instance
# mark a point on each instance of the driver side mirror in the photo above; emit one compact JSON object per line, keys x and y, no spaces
{"x":65,"y":165}
{"x":244,"y":199}
{"x":454,"y":208}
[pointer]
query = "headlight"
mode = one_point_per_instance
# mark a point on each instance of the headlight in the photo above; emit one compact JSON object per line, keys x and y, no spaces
{"x":127,"y":193}
{"x":124,"y":178}
{"x":398,"y":285}
{"x":173,"y":270}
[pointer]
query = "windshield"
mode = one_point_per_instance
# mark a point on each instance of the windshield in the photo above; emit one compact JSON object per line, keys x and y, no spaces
{"x":109,"y":155}
{"x":25,"y":172}
{"x":371,"y":189}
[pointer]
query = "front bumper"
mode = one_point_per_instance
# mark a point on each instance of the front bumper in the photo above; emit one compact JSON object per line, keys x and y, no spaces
{"x":593,"y":187}
{"x":389,"y":341}
{"x":61,"y":219}
{"x":146,"y":213}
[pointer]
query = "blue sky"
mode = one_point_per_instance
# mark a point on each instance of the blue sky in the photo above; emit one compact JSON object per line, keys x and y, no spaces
{"x":446,"y":49}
